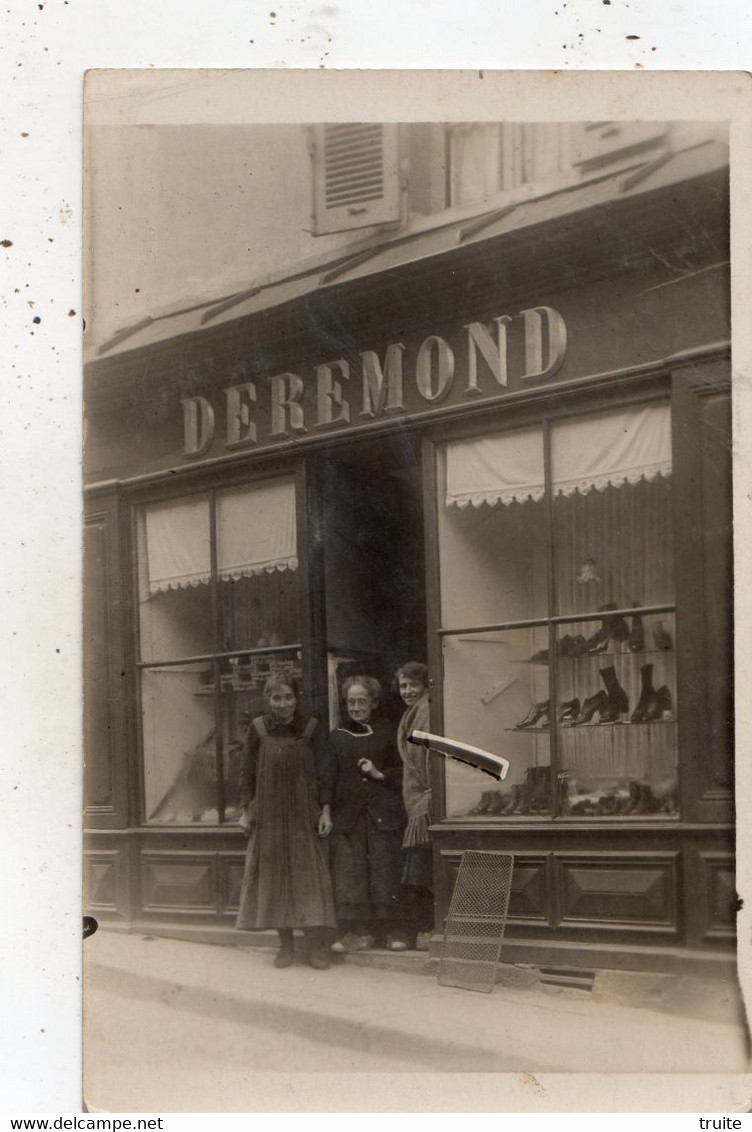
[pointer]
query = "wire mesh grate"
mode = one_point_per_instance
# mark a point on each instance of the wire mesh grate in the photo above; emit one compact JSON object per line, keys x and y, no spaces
{"x":476,"y":920}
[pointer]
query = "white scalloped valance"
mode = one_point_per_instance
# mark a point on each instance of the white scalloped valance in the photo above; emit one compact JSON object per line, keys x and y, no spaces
{"x":593,"y":452}
{"x":507,"y":468}
{"x":256,"y":530}
{"x":256,"y":534}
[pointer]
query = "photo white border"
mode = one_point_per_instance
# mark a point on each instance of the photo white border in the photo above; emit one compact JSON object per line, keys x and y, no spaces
{"x":46,"y":53}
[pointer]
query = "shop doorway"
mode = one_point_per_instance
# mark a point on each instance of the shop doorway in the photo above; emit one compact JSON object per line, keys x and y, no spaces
{"x":374,"y":561}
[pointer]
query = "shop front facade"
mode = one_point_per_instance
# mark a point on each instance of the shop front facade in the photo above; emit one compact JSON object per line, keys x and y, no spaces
{"x":506,"y":452}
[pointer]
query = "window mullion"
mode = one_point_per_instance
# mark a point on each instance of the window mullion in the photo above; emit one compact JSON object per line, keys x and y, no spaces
{"x":217,"y":648}
{"x":552,"y":608}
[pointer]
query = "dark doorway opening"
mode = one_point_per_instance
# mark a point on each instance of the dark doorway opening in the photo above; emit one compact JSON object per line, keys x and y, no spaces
{"x":374,"y":560}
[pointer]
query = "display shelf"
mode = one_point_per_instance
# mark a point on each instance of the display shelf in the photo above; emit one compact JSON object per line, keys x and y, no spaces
{"x":580,"y":727}
{"x":596,"y":656}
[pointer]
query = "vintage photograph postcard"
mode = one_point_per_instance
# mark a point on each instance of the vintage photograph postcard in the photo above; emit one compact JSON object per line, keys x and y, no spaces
{"x":410,"y":458}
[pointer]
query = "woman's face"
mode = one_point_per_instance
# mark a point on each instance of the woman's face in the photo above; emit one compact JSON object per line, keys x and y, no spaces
{"x":411,"y":690}
{"x":282,"y":702}
{"x":360,"y":703}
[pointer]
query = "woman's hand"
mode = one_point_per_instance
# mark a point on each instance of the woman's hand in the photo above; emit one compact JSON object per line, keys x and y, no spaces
{"x":247,"y":818}
{"x":367,"y":768}
{"x":325,"y":820}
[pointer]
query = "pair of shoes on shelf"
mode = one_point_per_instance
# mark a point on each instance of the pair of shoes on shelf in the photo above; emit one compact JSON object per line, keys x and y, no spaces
{"x":396,"y":942}
{"x":611,"y":629}
{"x":352,"y":942}
{"x":610,"y":702}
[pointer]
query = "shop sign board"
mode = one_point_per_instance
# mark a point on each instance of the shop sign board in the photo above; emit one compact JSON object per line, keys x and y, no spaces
{"x":477,"y":361}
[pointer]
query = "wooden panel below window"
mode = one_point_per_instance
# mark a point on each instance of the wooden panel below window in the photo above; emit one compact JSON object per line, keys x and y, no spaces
{"x":97,"y":641}
{"x":178,"y":881}
{"x":528,"y":898}
{"x":720,"y":882}
{"x":101,"y":880}
{"x":618,"y":890}
{"x":231,"y":868}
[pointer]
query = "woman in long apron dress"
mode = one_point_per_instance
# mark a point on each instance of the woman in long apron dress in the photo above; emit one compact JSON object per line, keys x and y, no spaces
{"x":286,"y":884}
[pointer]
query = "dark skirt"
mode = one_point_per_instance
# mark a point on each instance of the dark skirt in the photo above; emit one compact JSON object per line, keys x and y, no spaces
{"x":366,"y":868}
{"x":418,"y":867}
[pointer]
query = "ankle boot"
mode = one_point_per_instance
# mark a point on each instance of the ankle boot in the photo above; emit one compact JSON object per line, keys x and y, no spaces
{"x":497,"y":803}
{"x":634,"y":797}
{"x":317,"y":956}
{"x":660,"y":702}
{"x":483,"y":804}
{"x":647,"y":692}
{"x":618,"y":629}
{"x":598,"y":702}
{"x":661,"y":637}
{"x":513,"y":802}
{"x":285,"y":956}
{"x":644,"y":801}
{"x":538,"y":779}
{"x":636,"y":642}
{"x":618,"y":704}
{"x":599,"y":641}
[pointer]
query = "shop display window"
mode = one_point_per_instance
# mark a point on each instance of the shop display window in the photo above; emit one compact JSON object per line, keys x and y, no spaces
{"x":495,"y":699}
{"x":218,"y":613}
{"x":558,"y":624}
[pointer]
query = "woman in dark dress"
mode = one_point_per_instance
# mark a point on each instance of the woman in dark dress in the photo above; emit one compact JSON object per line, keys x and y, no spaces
{"x":364,"y":780}
{"x":286,"y":884}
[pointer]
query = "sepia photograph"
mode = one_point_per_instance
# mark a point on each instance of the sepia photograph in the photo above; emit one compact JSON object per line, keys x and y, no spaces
{"x":408,"y":587}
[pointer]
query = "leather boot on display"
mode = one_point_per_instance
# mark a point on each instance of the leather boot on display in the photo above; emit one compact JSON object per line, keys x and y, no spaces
{"x":634,"y":797}
{"x":647,"y":692}
{"x":659,"y":705}
{"x":662,"y":637}
{"x":636,"y":642}
{"x":618,"y":703}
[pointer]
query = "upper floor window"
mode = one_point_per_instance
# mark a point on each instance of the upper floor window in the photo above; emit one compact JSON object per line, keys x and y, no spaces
{"x":356,"y":181}
{"x":367,"y":174}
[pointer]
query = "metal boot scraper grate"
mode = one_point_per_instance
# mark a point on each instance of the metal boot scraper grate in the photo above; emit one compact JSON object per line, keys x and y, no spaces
{"x":476,"y":921}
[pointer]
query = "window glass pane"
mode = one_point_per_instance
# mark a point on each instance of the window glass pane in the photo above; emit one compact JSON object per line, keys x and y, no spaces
{"x":179,"y":739}
{"x":496,"y":697}
{"x":492,"y":526}
{"x":259,"y":612}
{"x":612,"y":511}
{"x":616,"y":694}
{"x":174,"y":569}
{"x":257,"y":566}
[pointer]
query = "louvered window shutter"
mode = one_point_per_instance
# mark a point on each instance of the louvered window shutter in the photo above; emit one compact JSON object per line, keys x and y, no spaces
{"x":356,"y":179}
{"x":602,"y":143}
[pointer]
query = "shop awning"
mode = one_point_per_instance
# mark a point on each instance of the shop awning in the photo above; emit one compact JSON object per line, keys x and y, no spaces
{"x":256,"y":534}
{"x":593,"y":452}
{"x":425,"y":240}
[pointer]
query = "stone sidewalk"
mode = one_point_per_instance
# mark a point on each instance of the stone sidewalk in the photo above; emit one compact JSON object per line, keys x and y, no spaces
{"x":231,"y":1005}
